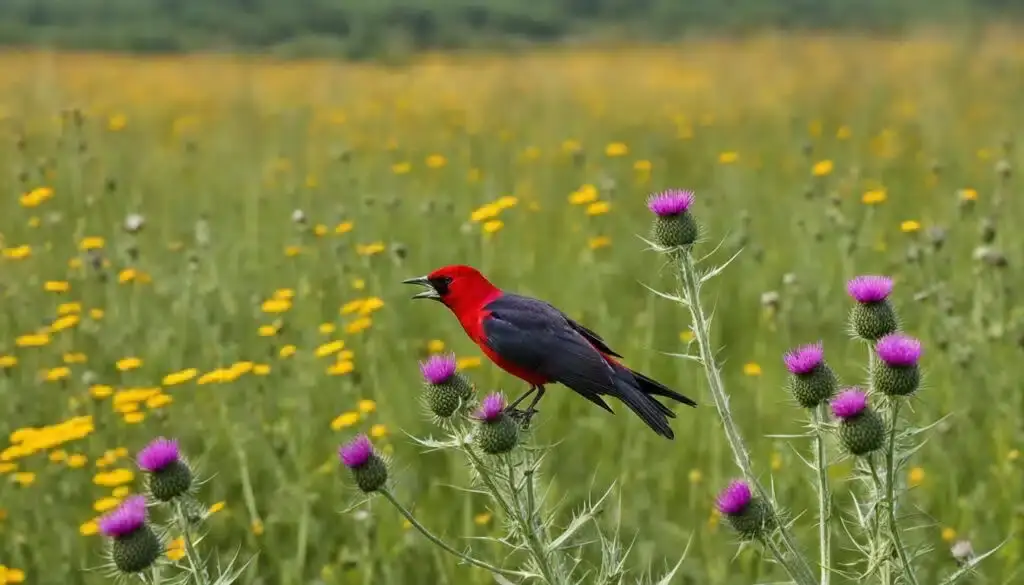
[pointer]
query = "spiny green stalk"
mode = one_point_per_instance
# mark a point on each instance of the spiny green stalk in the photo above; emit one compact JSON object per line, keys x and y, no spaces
{"x":390,"y":497}
{"x":197,"y":567}
{"x":890,"y":495}
{"x":790,"y":558}
{"x":824,"y":496}
{"x":538,"y":550}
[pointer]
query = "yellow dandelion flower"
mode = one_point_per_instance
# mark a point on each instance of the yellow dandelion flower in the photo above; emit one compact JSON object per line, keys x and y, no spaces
{"x":435,"y":346}
{"x":599,"y":208}
{"x":482,"y":519}
{"x":100,"y":391}
{"x":329,"y":348}
{"x":292,"y":251}
{"x":948,"y":534}
{"x":326,"y":328}
{"x":24,"y":478}
{"x":276,"y":306}
{"x":728,"y":157}
{"x":358,"y":325}
{"x":378,"y":431}
{"x":341,"y":368}
{"x":180,"y":377}
{"x":687,"y":336}
{"x":7,"y":467}
{"x":345,"y":355}
{"x":366,"y":406}
{"x":616,"y":149}
{"x":436,"y":161}
{"x":55,"y":374}
{"x":89,"y":528}
{"x":121,"y":491}
{"x":268,"y":330}
{"x":493,"y":226}
{"x":117,"y":122}
{"x":1013,"y":455}
{"x":844,"y":132}
{"x":95,"y":314}
{"x":32,"y":340}
{"x":57,"y":286}
{"x":128,"y":364}
{"x":212,"y":377}
{"x":642,"y":166}
{"x":695,"y":476}
{"x":358,"y":283}
{"x":126,"y":407}
{"x":65,"y":322}
{"x":584,"y":195}
{"x":968,"y":194}
{"x":370,"y":305}
{"x":18,"y":252}
{"x":344,"y":420}
{"x":284,"y":293}
{"x":58,"y":456}
{"x":75,"y":358}
{"x":484,"y":213}
{"x":370,"y":249}
{"x":351,"y":307}
{"x":176,"y":549}
{"x":776,"y":461}
{"x":598,"y":242}
{"x":261,"y":369}
{"x":468,"y":363}
{"x":751,"y":369}
{"x":69,"y":308}
{"x":506,"y":202}
{"x":287,"y":351}
{"x":874,"y":197}
{"x":910,"y":226}
{"x":103,"y":504}
{"x":133,"y":418}
{"x":159,"y":401}
{"x":916,"y":476}
{"x":127,"y":275}
{"x":343,"y":227}
{"x":77,"y":461}
{"x":216,"y":507}
{"x":91,"y":243}
{"x":256,"y":526}
{"x":822,"y":168}
{"x":7,"y":361}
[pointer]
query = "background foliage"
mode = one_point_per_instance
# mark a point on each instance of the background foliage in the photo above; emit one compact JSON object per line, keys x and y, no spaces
{"x":395,"y":28}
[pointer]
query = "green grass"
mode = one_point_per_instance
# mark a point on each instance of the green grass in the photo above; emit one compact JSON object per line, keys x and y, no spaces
{"x":256,"y":141}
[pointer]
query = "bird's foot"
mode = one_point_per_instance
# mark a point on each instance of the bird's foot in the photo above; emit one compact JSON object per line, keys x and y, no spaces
{"x":523,"y":417}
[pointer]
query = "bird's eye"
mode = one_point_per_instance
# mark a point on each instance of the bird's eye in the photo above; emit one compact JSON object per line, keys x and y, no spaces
{"x":441,"y":284}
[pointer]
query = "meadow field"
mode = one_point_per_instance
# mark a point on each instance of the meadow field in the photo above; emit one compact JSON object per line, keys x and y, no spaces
{"x":212,"y":247}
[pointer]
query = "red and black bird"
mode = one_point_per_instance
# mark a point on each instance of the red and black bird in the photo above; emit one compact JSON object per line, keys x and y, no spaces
{"x":539,"y":344}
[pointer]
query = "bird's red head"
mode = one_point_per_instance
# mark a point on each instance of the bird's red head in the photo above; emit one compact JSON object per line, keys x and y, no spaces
{"x":459,"y":287}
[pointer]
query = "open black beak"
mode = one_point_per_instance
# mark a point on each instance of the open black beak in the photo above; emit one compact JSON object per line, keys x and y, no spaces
{"x":430,"y":293}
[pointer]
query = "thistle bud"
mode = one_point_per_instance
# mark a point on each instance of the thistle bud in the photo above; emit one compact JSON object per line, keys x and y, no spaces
{"x":748,"y":515}
{"x":368,"y":469}
{"x":861,"y":430}
{"x":896,"y":372}
{"x":674,"y":225}
{"x":445,"y":389}
{"x":134,"y":547}
{"x":168,"y":476}
{"x":497,"y":433}
{"x":873,"y":317}
{"x":812,"y":381}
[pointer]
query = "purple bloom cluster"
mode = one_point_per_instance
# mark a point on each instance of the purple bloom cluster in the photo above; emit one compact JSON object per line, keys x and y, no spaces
{"x":491,"y":407}
{"x":671,"y":202}
{"x":733,"y":500}
{"x":849,"y":403}
{"x":805,"y":358}
{"x":125,"y":519}
{"x":356,"y":452}
{"x":870,"y":288}
{"x":158,"y":454}
{"x":438,"y":368}
{"x":897,"y":349}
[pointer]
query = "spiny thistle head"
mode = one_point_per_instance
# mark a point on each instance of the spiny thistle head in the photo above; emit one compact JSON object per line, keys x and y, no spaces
{"x":748,"y":515}
{"x":168,"y":476}
{"x":445,"y":389}
{"x":674,"y":225}
{"x":873,"y":316}
{"x":134,"y":545}
{"x":861,"y":430}
{"x":368,"y":469}
{"x":896,"y":373}
{"x":497,"y":433}
{"x":812,"y":381}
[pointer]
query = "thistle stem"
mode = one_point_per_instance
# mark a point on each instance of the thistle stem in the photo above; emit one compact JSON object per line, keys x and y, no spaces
{"x":525,"y":519}
{"x":390,"y":497}
{"x":790,"y":557}
{"x":890,"y":496}
{"x":196,"y":565}
{"x":824,"y":496}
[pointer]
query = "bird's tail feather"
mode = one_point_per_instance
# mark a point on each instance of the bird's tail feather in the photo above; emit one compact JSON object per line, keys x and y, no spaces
{"x":651,"y":411}
{"x":653,"y":387}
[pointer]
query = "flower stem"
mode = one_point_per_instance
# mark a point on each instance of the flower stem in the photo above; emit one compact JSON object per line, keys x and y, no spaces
{"x":890,"y":496}
{"x":444,"y":545}
{"x":525,"y":519}
{"x":824,"y":496}
{"x":790,"y":557}
{"x":196,"y":565}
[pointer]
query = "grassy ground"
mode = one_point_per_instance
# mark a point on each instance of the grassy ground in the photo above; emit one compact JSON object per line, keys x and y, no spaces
{"x":821,"y":157}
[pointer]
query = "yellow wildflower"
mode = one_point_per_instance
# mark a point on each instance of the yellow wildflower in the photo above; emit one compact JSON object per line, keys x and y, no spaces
{"x":358,"y":325}
{"x":32,"y":340}
{"x":216,"y":507}
{"x":751,"y":369}
{"x":128,"y":364}
{"x":343,"y":227}
{"x":874,"y":197}
{"x":728,"y":157}
{"x":948,"y":534}
{"x":69,"y":308}
{"x":910,"y":226}
{"x":370,"y":249}
{"x":326,"y":328}
{"x":180,"y":377}
{"x":435,"y":346}
{"x":58,"y":286}
{"x":366,"y":406}
{"x":378,"y":431}
{"x":482,"y":519}
{"x":584,"y":195}
{"x":822,"y":168}
{"x":968,"y":194}
{"x":100,"y":391}
{"x":65,"y":322}
{"x":91,"y":243}
{"x":486,"y":212}
{"x":18,"y":252}
{"x":55,"y":374}
{"x":89,"y":528}
{"x":268,"y":330}
{"x":7,"y":361}
{"x":103,"y":504}
{"x":598,"y":208}
{"x":370,"y":305}
{"x":287,"y":351}
{"x":261,"y":369}
{"x":330,"y":348}
{"x":344,"y":420}
{"x":436,"y":161}
{"x":493,"y":226}
{"x":616,"y":149}
{"x":24,"y":478}
{"x":132,"y":418}
{"x":340,"y":368}
{"x":159,"y":401}
{"x":916,"y":476}
{"x":276,"y":306}
{"x":467,"y":363}
{"x":75,"y":358}
{"x":176,"y":549}
{"x":598,"y":242}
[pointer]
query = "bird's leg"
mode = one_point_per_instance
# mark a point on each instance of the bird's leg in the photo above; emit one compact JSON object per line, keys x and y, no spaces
{"x":516,"y":402}
{"x":523,"y":417}
{"x":531,"y":410}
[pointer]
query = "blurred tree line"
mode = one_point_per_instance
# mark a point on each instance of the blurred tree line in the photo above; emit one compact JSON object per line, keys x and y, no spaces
{"x":369,"y":28}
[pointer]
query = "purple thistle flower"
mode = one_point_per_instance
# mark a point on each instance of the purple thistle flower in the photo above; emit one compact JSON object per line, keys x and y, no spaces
{"x":438,"y":368}
{"x":356,"y":452}
{"x":849,"y":403}
{"x":491,"y":407}
{"x":869,"y":288}
{"x":733,"y":500}
{"x":671,"y":202}
{"x":897,"y":349}
{"x":125,"y":519}
{"x":805,"y":358}
{"x":158,"y":454}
